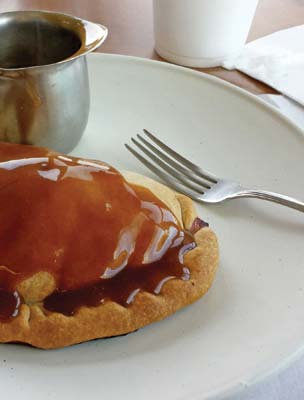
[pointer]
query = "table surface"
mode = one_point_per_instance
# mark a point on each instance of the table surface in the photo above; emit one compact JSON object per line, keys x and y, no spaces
{"x":131,"y":29}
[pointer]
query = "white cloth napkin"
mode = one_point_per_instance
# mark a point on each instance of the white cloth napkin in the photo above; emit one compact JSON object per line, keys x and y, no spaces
{"x":277,"y":60}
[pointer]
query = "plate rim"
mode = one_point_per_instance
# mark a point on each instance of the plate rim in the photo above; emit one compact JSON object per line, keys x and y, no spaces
{"x":230,"y":87}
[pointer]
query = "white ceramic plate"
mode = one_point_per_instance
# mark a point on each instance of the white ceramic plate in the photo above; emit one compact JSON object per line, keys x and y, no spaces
{"x":251,"y":321}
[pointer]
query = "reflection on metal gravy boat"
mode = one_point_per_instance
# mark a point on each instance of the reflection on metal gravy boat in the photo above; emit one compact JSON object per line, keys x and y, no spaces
{"x":44,"y":88}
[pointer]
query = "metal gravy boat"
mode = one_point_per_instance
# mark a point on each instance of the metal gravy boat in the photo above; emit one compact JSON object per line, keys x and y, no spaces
{"x":44,"y":85}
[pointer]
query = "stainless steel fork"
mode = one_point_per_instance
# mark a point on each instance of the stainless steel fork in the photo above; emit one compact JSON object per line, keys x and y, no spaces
{"x":190,"y":179}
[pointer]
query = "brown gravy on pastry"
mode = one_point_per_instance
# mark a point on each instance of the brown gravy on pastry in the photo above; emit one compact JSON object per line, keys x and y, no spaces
{"x":100,"y":237}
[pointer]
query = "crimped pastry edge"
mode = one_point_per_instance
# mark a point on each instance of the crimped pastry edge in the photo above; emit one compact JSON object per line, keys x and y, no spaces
{"x":48,"y":330}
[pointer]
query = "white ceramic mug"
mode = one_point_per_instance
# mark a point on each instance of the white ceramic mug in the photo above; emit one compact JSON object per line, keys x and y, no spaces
{"x":201,"y":33}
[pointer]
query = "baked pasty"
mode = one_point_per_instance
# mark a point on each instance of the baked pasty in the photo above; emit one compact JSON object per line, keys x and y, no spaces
{"x":87,"y":252}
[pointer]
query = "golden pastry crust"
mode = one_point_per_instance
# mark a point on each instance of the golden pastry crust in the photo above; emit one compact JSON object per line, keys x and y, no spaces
{"x":44,"y":329}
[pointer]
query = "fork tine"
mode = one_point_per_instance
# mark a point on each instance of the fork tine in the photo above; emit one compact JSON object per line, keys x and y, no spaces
{"x":180,"y":188}
{"x":167,"y":168}
{"x":182,"y":160}
{"x":190,"y":174}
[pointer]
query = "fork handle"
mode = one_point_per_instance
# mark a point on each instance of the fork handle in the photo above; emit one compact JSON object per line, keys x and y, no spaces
{"x":274,"y":197}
